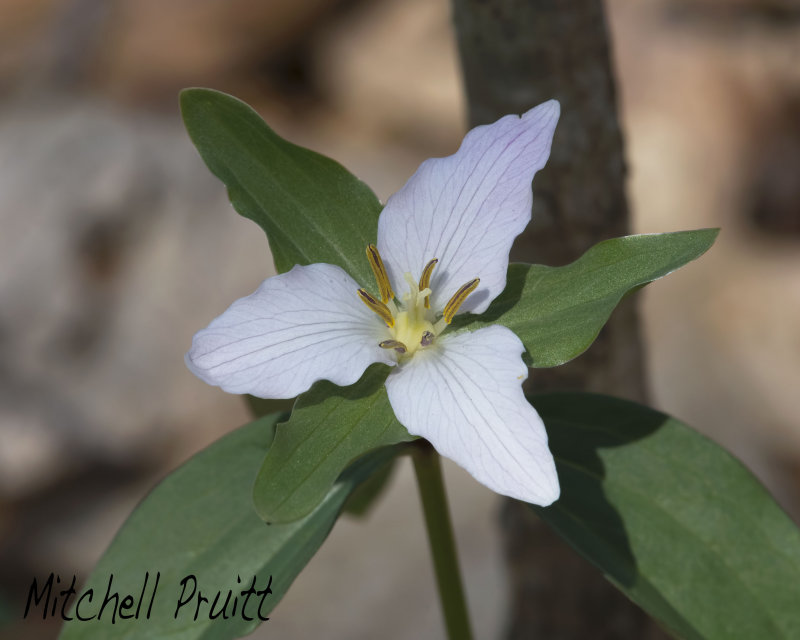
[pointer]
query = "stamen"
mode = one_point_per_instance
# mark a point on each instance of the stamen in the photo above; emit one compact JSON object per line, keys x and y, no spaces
{"x":381,"y":277}
{"x":458,"y":298}
{"x":425,"y":280}
{"x":393,"y":344}
{"x":427,"y":338}
{"x":376,"y":306}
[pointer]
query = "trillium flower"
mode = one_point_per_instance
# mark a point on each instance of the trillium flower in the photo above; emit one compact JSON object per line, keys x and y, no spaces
{"x":442,"y":250}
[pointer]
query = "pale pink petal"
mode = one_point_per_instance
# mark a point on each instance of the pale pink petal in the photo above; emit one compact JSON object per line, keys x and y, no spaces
{"x":297,"y":328}
{"x":466,"y":209}
{"x":464,"y":395}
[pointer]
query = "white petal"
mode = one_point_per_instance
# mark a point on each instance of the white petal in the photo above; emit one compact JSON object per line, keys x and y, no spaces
{"x":466,"y":209}
{"x":297,"y":328}
{"x":464,"y":395}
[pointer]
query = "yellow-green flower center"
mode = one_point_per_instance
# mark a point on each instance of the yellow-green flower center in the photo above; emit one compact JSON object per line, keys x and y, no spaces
{"x":413,"y":324}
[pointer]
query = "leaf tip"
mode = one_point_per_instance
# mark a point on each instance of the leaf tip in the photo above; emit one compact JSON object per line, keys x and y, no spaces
{"x":190,"y":97}
{"x":710,"y":236}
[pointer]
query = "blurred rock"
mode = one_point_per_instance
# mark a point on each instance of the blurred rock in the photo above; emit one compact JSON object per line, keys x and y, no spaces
{"x":393,"y":69}
{"x":109,"y":220}
{"x":144,"y":51}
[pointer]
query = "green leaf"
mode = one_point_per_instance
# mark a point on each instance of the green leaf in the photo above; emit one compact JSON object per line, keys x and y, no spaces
{"x":557,"y":312}
{"x":361,"y":501}
{"x":678,"y":524}
{"x":330,"y":427}
{"x":263,"y":406}
{"x":312,"y":208}
{"x":200,"y":521}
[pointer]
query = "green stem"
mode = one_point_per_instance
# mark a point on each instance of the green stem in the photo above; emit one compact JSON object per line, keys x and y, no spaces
{"x":440,"y":536}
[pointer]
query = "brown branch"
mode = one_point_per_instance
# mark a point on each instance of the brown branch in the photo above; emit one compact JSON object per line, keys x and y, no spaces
{"x":516,"y":54}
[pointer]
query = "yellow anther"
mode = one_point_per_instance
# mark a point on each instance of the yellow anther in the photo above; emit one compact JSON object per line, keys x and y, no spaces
{"x":425,"y":280}
{"x":458,"y":298}
{"x":377,"y":307}
{"x":393,"y":344}
{"x":381,"y":276}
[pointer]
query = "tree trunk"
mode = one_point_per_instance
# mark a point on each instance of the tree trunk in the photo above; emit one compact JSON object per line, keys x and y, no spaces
{"x":516,"y":54}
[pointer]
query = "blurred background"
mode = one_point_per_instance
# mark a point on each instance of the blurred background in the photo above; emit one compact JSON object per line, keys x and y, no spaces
{"x":116,"y":245}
